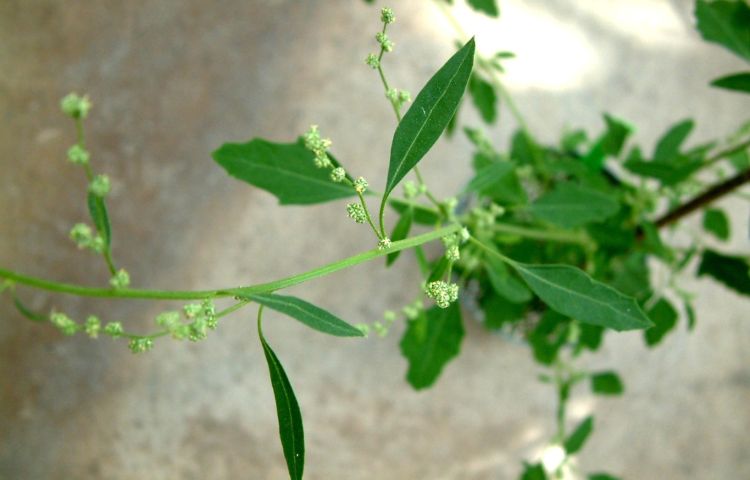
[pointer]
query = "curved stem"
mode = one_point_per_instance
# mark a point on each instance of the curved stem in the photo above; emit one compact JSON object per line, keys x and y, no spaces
{"x":79,"y":290}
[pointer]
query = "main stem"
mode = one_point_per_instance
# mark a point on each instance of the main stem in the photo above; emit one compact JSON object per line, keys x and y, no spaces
{"x":79,"y":290}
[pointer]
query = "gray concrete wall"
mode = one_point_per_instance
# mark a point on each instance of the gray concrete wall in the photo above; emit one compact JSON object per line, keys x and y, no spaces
{"x":171,"y":80}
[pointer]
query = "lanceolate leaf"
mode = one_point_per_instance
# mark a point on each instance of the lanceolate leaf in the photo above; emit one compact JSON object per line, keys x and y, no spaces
{"x":400,"y":232}
{"x":571,"y":206}
{"x":307,"y":313}
{"x":576,"y":439}
{"x":286,"y":170}
{"x":430,"y":342}
{"x":573,"y":293}
{"x":726,"y":23}
{"x":287,"y":409}
{"x":738,"y":81}
{"x":504,"y":283}
{"x":734,"y":272}
{"x":669,"y":144}
{"x":488,"y":7}
{"x":98,"y":211}
{"x":429,"y":115}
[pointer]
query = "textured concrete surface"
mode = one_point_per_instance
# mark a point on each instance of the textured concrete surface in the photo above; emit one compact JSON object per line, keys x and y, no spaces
{"x":172,"y":80}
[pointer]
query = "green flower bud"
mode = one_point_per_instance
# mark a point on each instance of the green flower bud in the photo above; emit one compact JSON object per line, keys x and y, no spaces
{"x":452,"y":253}
{"x":380,"y":329}
{"x":97,"y":244}
{"x":75,"y":106}
{"x":372,"y":61}
{"x":413,"y":310}
{"x":338,"y":174}
{"x":364,"y":328}
{"x":442,"y":292}
{"x":322,"y":161}
{"x":384,"y":243}
{"x":113,"y":329}
{"x":120,"y":280}
{"x":168,"y":320}
{"x":410,"y":190}
{"x":67,"y":325}
{"x":318,"y":146}
{"x":78,"y":155}
{"x":140,"y":345}
{"x":100,"y":185}
{"x":192,"y":309}
{"x":389,"y":316}
{"x":360,"y":185}
{"x":92,"y":326}
{"x":356,"y":212}
{"x":81,"y":234}
{"x":404,"y":96}
{"x":385,"y":43}
{"x":387,"y":16}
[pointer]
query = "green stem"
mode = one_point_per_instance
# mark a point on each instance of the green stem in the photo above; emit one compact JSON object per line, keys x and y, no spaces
{"x":367,"y":215}
{"x":741,"y":147}
{"x":226,"y":292}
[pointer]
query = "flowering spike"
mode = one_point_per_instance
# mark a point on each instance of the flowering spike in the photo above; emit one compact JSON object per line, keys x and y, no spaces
{"x":67,"y":325}
{"x":356,"y":212}
{"x":442,"y":292}
{"x":387,"y":16}
{"x":372,"y":61}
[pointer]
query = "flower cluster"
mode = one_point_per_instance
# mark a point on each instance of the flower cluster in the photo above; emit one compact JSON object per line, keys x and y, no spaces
{"x":385,"y":43}
{"x":84,"y":237}
{"x":319,"y":146}
{"x":384,"y":243}
{"x":360,"y":185}
{"x":356,"y":212}
{"x":372,"y":61}
{"x":387,"y":16}
{"x":78,"y":155}
{"x":202,"y":318}
{"x":338,"y":175}
{"x":100,"y":186}
{"x":120,"y":280}
{"x":75,"y":106}
{"x":443,"y":293}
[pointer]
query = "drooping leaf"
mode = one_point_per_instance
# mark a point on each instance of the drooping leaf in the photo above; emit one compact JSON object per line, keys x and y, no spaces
{"x":484,"y":98}
{"x":100,"y":217}
{"x":26,"y":311}
{"x":286,"y":170}
{"x":430,"y":342}
{"x":737,"y":81}
{"x":578,"y":438}
{"x":716,"y":222}
{"x":400,"y":232}
{"x":533,"y":472}
{"x":488,"y":7}
{"x":428,"y":116}
{"x":734,"y":272}
{"x":570,"y":206}
{"x":726,"y":23}
{"x":291,"y":430}
{"x":606,"y":383}
{"x":664,"y":317}
{"x":307,"y":313}
{"x":668,"y":146}
{"x":504,"y":283}
{"x":573,"y":293}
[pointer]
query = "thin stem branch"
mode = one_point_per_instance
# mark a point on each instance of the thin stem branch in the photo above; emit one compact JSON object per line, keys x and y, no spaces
{"x":83,"y":291}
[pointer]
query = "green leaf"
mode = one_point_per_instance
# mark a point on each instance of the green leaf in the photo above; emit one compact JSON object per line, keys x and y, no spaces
{"x":287,"y":409}
{"x":716,"y":222}
{"x":726,"y":23}
{"x":439,"y":269}
{"x":498,"y":180}
{"x":428,"y":116}
{"x":549,"y":336}
{"x":606,"y":383}
{"x":498,"y":311}
{"x":570,"y":206}
{"x":484,"y":98}
{"x":668,"y":173}
{"x":421,"y":215}
{"x":100,"y":217}
{"x":533,"y":472}
{"x":734,"y":272}
{"x":602,"y":476}
{"x":307,"y":313}
{"x":617,"y":133}
{"x":664,"y":317}
{"x":573,"y":293}
{"x":27,"y":312}
{"x":504,"y":283}
{"x":285,"y":170}
{"x":430,"y":342}
{"x":669,"y":144}
{"x":737,"y":81}
{"x":400,"y":232}
{"x":576,"y":439}
{"x":488,"y":7}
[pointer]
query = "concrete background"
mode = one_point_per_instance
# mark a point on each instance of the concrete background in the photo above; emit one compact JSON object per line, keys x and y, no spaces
{"x":172,"y":80}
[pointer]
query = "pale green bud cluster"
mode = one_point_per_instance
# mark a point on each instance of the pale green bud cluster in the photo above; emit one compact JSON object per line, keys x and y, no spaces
{"x":372,"y":61}
{"x":113,"y":329}
{"x":485,"y":217}
{"x":338,"y":174}
{"x":319,"y":146}
{"x":453,"y":243}
{"x":413,"y":310}
{"x":202,"y":317}
{"x":387,"y":16}
{"x":398,"y":97}
{"x":360,"y":185}
{"x":84,"y":237}
{"x":100,"y":186}
{"x":385,"y":43}
{"x":412,"y":190}
{"x":78,"y":155}
{"x":92,"y":326}
{"x":120,"y":280}
{"x":443,"y":293}
{"x":356,"y":212}
{"x":384,"y":243}
{"x":75,"y":106}
{"x":450,"y":205}
{"x":67,"y":325}
{"x":141,"y":344}
{"x":382,"y":328}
